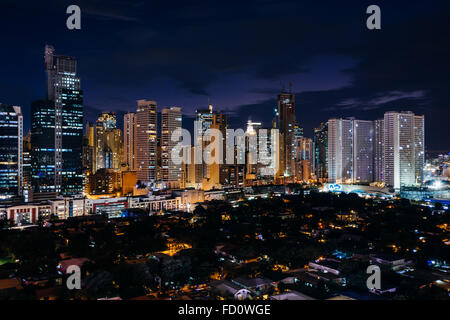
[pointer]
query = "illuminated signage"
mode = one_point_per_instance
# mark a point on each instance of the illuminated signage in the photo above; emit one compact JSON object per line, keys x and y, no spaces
{"x":335,"y":187}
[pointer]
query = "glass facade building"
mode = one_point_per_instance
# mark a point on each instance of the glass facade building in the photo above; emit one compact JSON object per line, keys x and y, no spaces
{"x":11,"y":158}
{"x":57,"y":130}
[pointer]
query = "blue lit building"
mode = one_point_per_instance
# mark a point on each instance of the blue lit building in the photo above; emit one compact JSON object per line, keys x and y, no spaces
{"x":57,"y":130}
{"x":11,"y":159}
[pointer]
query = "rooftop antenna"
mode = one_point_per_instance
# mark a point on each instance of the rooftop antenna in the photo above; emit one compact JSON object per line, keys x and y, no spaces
{"x":290,"y":87}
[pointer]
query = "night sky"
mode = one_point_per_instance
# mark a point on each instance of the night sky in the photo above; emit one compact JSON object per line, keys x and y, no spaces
{"x":237,"y":54}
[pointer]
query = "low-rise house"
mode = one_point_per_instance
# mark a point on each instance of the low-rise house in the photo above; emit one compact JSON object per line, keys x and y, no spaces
{"x":391,"y":261}
{"x":255,"y":285}
{"x":326,"y":265}
{"x":64,"y":264}
{"x":291,"y":295}
{"x":226,"y":289}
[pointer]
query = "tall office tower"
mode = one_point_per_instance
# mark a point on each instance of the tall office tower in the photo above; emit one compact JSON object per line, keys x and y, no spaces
{"x":304,"y":164}
{"x":363,"y":154}
{"x":191,"y":171}
{"x":43,"y":147}
{"x":298,"y":130}
{"x":340,"y":150}
{"x":220,"y":123}
{"x":321,"y":151}
{"x":11,"y":157}
{"x":350,"y":150}
{"x":286,"y":125}
{"x":129,"y":139}
{"x":251,"y":147}
{"x":379,"y":151}
{"x":402,"y":132}
{"x":113,"y":149}
{"x":158,"y":159}
{"x":419,"y":147}
{"x":298,"y":134}
{"x":204,"y":117}
{"x":105,"y":123}
{"x":88,"y":148}
{"x":146,"y":141}
{"x":171,"y":120}
{"x":26,"y":182}
{"x":65,"y":122}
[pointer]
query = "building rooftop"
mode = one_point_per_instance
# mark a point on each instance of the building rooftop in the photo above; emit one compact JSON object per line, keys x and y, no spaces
{"x":252,"y":282}
{"x":291,"y":295}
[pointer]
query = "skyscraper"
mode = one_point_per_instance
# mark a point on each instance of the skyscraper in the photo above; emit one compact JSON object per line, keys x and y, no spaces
{"x":170,"y":121}
{"x":57,"y":129}
{"x":11,"y":157}
{"x":363,"y":155}
{"x":108,"y":143}
{"x":26,"y":181}
{"x":340,"y":150}
{"x":251,"y":147}
{"x":350,"y":150}
{"x":220,"y":122}
{"x":129,"y":139}
{"x":379,"y":151}
{"x":146,"y":141}
{"x":304,"y":159}
{"x":88,"y":148}
{"x":204,"y":119}
{"x":286,"y":125}
{"x":403,"y":149}
{"x":321,"y":151}
{"x":419,"y":147}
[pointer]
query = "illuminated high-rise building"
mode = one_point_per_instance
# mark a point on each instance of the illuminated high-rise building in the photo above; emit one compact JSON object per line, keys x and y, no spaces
{"x":363,"y":154}
{"x":220,"y":122}
{"x":404,"y":149}
{"x":146,"y":141}
{"x":378,"y":149}
{"x":57,"y":129}
{"x":419,"y":147}
{"x":106,"y":121}
{"x":350,"y":150}
{"x":129,"y":139}
{"x":26,"y":182}
{"x":251,"y":147}
{"x":108,"y":143}
{"x":286,"y":125}
{"x":321,"y":151}
{"x":340,"y":150}
{"x":171,"y":120}
{"x":204,"y":119}
{"x":113,"y":149}
{"x":304,"y":159}
{"x":88,"y":148}
{"x":11,"y":153}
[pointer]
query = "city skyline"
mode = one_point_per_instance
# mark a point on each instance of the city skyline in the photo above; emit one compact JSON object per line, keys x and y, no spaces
{"x":212,"y":152}
{"x":70,"y":159}
{"x":331,"y":77}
